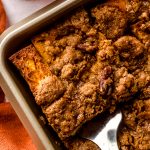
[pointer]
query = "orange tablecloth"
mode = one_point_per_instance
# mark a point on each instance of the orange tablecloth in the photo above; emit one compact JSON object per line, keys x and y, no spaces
{"x":13,"y":136}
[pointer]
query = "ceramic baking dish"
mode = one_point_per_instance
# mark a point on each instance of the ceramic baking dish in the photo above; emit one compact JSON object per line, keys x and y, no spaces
{"x":15,"y":88}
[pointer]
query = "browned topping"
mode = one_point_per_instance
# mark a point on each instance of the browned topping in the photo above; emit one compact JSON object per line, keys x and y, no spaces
{"x":49,"y":89}
{"x":136,"y":127}
{"x":89,"y":45}
{"x":110,"y":20}
{"x":144,"y":10}
{"x":132,"y":7}
{"x":132,"y":52}
{"x":125,"y":85}
{"x":142,"y":78}
{"x":67,"y":115}
{"x":142,"y":31}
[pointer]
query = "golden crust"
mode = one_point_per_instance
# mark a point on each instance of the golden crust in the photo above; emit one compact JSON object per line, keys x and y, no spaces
{"x":29,"y":62}
{"x":36,"y":72}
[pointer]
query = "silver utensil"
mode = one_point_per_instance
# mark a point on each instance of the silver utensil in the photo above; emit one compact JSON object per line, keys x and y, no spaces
{"x":105,"y":136}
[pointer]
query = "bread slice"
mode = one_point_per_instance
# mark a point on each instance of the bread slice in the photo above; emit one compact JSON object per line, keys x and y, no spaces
{"x":67,"y":115}
{"x":44,"y":86}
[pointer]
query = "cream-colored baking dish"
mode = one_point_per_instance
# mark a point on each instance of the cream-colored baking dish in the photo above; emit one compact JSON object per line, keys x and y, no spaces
{"x":12,"y":83}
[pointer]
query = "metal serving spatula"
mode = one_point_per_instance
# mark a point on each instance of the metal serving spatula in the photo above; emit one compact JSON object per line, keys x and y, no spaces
{"x":104,"y":136}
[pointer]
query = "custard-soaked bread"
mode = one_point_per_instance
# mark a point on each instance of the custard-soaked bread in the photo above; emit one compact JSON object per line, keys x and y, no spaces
{"x":44,"y":86}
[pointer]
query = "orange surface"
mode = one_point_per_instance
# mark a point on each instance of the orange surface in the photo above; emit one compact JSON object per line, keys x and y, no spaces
{"x":2,"y":18}
{"x":13,"y":136}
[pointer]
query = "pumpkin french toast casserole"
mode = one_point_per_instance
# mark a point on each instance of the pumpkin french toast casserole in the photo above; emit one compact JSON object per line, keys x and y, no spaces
{"x":87,"y":64}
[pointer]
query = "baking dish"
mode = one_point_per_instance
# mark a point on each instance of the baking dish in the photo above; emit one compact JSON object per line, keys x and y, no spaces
{"x":15,"y":88}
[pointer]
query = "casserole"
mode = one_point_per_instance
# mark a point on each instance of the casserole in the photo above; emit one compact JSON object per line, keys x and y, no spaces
{"x":126,"y":87}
